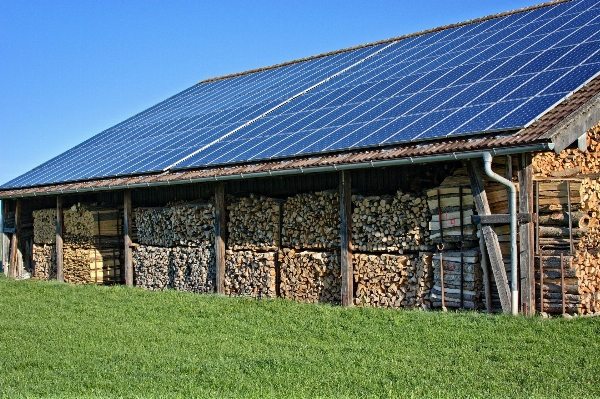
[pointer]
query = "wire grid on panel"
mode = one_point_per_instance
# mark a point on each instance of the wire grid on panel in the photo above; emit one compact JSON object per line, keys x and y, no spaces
{"x":168,"y":131}
{"x":499,"y":74}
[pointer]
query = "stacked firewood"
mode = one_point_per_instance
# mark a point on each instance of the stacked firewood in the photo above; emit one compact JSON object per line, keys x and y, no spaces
{"x":154,"y":226}
{"x":587,"y":266}
{"x":462,"y":273}
{"x":193,"y":224}
{"x":79,"y":224}
{"x":76,"y":265}
{"x":192,"y":269}
{"x":312,"y":221}
{"x":249,"y":273}
{"x":253,"y":223}
{"x":44,"y":261}
{"x":570,"y":162}
{"x":393,"y":281}
{"x":310,"y":276}
{"x":578,"y":244}
{"x":176,"y":247}
{"x":151,"y":267}
{"x":44,"y":226}
{"x":390,"y":223}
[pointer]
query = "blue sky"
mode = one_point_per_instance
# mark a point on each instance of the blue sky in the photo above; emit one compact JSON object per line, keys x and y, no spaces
{"x":70,"y":69}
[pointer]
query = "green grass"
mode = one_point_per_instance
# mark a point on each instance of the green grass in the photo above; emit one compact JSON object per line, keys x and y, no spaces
{"x":58,"y":340}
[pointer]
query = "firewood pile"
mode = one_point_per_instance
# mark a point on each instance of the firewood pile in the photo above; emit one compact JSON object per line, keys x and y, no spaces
{"x":154,"y":226}
{"x":44,"y":258}
{"x":176,"y":247}
{"x":192,"y":269}
{"x":193,"y":224}
{"x":79,"y":224}
{"x":312,"y":221}
{"x":581,"y":267}
{"x":253,"y":224}
{"x":310,"y":276}
{"x":190,"y":224}
{"x":76,"y":265}
{"x":396,"y":281}
{"x":249,"y":273}
{"x":471,"y":280}
{"x":92,"y":244}
{"x":44,"y":226}
{"x":571,"y":161}
{"x":581,"y":276}
{"x":151,"y":267}
{"x":390,"y":223}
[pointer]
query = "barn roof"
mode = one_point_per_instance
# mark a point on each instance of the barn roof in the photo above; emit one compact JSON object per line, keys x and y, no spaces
{"x":507,"y":80}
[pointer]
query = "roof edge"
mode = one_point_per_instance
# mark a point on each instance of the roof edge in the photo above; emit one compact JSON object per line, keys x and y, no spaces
{"x":397,"y":38}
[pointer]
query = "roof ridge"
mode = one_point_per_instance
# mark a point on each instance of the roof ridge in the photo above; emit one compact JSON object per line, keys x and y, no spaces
{"x":402,"y":37}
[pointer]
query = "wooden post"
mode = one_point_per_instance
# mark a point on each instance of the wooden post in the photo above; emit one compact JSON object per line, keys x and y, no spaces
{"x":14,"y":243}
{"x":59,"y":239}
{"x":220,"y":226}
{"x":127,"y":237}
{"x":486,"y":275}
{"x":527,"y":285}
{"x":345,"y":238}
{"x":489,"y":235}
{"x":5,"y":238}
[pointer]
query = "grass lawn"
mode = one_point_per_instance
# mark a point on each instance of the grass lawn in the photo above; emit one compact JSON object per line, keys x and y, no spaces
{"x":58,"y":340}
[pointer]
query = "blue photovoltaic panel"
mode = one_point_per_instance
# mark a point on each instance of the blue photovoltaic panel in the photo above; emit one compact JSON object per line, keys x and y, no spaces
{"x":509,"y":74}
{"x":167,"y":132}
{"x":498,"y":74}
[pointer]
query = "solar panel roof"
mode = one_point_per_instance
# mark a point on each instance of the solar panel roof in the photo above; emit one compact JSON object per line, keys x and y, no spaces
{"x":499,"y":74}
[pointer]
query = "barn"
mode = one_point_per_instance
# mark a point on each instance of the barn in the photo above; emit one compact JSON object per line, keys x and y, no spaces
{"x":452,"y":168}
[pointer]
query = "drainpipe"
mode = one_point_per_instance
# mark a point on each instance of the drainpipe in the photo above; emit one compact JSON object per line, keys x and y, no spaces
{"x":487,"y":163}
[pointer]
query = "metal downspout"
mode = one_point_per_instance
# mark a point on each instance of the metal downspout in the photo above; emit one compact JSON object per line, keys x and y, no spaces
{"x":487,"y":164}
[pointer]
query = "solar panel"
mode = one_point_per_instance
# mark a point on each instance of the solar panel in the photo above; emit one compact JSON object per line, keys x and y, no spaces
{"x":487,"y":93}
{"x":498,"y":74}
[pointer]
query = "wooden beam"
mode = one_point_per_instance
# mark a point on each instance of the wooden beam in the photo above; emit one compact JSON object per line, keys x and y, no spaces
{"x":490,"y":237}
{"x":500,"y":218}
{"x":59,"y":239}
{"x":14,"y":243}
{"x":220,"y":229}
{"x":127,"y":237}
{"x":527,"y":283}
{"x":345,"y":238}
{"x":5,"y":238}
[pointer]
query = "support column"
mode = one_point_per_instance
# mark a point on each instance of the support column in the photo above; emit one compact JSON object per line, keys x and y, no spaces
{"x":345,"y":239}
{"x":59,"y":239}
{"x":489,"y":235}
{"x":5,"y":238}
{"x":14,"y":243}
{"x":127,"y":237}
{"x":220,"y":226}
{"x":527,"y":283}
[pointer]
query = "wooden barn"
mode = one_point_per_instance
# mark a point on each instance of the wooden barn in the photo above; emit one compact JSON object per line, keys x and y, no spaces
{"x":452,"y":168}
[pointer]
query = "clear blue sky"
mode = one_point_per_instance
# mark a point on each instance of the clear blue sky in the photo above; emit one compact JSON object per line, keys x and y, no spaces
{"x":70,"y":69}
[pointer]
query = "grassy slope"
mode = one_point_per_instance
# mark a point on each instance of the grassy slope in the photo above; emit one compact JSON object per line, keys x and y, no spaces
{"x":66,"y":341}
